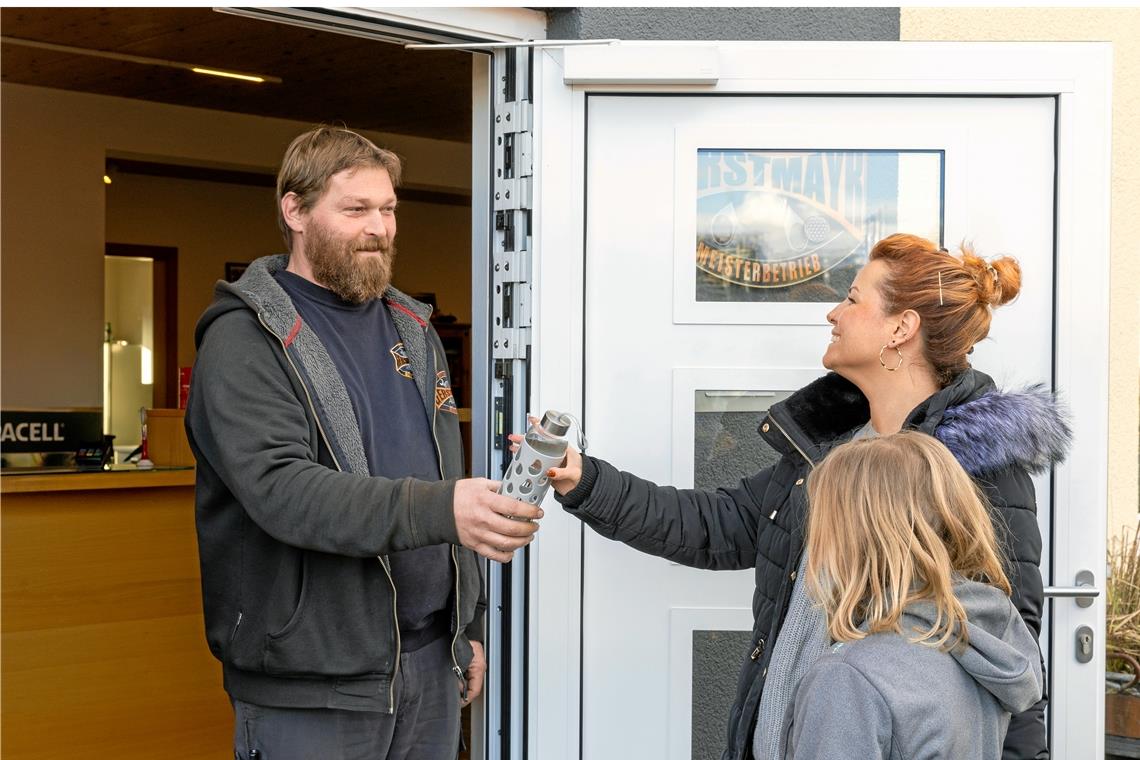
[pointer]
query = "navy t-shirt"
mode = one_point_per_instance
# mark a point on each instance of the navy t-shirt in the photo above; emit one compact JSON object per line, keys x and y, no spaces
{"x":366,"y":348}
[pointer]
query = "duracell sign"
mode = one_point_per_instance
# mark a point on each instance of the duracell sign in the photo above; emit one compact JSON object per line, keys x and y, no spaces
{"x":36,"y":431}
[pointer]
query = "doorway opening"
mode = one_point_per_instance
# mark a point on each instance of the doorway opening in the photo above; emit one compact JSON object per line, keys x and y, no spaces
{"x":140,"y":288}
{"x":193,"y":160}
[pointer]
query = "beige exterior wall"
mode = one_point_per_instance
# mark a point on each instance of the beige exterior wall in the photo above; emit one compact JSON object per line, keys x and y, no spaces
{"x":54,"y":221}
{"x":1120,"y":26}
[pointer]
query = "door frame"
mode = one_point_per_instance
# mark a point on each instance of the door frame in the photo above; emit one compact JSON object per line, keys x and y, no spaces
{"x":444,"y":26}
{"x":165,"y":283}
{"x":1078,"y":75}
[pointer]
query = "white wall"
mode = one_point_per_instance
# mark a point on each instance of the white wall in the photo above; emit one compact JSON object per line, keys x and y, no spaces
{"x":53,"y":206}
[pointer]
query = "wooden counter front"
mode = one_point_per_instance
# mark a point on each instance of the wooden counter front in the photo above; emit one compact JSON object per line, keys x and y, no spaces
{"x":103,"y":648}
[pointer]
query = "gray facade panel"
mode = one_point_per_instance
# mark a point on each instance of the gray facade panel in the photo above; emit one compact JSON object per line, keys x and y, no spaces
{"x":723,"y":23}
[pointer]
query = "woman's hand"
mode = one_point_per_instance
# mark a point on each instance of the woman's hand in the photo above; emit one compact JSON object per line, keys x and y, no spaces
{"x":565,"y":478}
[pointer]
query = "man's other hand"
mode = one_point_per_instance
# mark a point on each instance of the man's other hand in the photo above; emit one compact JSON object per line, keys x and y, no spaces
{"x":492,"y":525}
{"x":474,"y":675}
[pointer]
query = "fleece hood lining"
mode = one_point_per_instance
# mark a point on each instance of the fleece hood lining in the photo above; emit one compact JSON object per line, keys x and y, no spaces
{"x":258,"y":290}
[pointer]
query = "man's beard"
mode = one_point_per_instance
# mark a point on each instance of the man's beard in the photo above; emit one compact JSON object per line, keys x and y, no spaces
{"x":337,"y":266}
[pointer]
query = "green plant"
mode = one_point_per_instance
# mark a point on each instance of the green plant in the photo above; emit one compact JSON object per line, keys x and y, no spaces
{"x":1122,"y":618}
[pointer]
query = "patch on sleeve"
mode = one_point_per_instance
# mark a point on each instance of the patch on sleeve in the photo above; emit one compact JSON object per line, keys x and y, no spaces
{"x":403,"y":366}
{"x":444,"y":400}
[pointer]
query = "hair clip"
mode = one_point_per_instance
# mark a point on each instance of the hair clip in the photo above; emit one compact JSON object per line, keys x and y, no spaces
{"x":997,"y":284}
{"x":940,"y":302}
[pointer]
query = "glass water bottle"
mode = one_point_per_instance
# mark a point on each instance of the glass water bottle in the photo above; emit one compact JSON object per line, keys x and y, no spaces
{"x":543,"y":447}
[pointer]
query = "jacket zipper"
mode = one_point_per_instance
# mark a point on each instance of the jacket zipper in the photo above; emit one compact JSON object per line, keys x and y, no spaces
{"x":396,"y":625}
{"x":760,"y":648}
{"x":454,"y":553}
{"x":455,"y":636}
{"x":383,"y":564}
{"x":233,"y":633}
{"x":758,"y":651}
{"x":811,"y":464}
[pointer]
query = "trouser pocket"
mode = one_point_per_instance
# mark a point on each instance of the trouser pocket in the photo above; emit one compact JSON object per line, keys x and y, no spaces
{"x":244,"y":718}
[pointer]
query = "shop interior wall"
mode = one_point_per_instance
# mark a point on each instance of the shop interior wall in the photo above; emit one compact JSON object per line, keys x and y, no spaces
{"x":212,"y":223}
{"x":53,"y":223}
{"x":1121,"y":26}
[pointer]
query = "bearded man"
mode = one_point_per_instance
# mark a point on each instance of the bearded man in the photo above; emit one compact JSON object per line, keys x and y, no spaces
{"x":341,"y":587}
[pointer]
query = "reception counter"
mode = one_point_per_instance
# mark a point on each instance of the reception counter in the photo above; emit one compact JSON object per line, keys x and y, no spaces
{"x":103,"y":650}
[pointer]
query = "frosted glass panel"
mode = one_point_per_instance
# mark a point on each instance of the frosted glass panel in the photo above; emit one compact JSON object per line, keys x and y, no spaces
{"x":728,"y":446}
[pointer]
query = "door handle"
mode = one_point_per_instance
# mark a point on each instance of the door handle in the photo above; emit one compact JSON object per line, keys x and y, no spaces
{"x":1083,"y":593}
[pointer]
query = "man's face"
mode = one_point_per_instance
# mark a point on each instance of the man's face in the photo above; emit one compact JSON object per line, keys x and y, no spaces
{"x":349,"y":234}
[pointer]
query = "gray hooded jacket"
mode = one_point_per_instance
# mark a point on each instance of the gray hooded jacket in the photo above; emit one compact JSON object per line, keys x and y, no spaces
{"x":887,"y":697}
{"x":293,"y":532}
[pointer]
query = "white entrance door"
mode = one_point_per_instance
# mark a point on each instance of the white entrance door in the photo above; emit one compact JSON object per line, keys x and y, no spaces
{"x":678,"y":360}
{"x":717,"y":229}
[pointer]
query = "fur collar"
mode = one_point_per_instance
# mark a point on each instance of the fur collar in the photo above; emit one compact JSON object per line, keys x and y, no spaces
{"x":985,"y":428}
{"x":1027,"y":427}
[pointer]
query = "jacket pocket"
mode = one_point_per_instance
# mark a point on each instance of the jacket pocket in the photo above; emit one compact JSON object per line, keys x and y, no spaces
{"x":299,"y":606}
{"x":343,"y":623}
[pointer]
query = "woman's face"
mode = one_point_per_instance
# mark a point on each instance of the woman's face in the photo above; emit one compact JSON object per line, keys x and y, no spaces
{"x":859,"y":326}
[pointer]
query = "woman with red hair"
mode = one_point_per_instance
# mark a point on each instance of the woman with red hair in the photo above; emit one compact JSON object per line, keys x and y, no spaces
{"x":898,"y":360}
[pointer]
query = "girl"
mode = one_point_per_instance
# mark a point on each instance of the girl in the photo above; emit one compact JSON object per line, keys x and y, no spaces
{"x":931,"y":656}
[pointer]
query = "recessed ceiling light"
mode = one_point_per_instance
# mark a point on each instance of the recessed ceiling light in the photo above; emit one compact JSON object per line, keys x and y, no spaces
{"x":106,"y":180}
{"x":229,"y":74}
{"x":244,"y":76}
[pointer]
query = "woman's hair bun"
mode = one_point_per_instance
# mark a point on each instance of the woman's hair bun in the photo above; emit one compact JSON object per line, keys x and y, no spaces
{"x":998,"y":281}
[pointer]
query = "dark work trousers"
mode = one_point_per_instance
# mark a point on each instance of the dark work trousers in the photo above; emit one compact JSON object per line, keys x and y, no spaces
{"x":425,"y":726}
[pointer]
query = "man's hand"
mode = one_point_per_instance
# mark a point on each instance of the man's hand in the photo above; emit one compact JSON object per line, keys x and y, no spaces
{"x":483,"y":519}
{"x":475,"y":673}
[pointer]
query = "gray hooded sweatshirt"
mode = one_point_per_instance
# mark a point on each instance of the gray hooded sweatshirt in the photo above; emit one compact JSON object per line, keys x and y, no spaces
{"x":887,"y":697}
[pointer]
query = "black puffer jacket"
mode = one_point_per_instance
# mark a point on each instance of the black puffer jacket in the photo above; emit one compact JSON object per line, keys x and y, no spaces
{"x":998,"y":437}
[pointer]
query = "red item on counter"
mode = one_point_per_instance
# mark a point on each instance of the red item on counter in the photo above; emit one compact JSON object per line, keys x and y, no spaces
{"x":183,"y":386}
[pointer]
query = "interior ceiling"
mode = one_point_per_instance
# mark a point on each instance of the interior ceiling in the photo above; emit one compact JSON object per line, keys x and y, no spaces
{"x":327,"y":78}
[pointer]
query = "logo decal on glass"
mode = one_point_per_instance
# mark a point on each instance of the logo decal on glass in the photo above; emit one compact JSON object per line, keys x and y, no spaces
{"x":777,"y":225}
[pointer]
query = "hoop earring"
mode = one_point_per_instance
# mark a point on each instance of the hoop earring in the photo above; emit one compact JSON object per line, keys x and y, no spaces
{"x":890,"y":369}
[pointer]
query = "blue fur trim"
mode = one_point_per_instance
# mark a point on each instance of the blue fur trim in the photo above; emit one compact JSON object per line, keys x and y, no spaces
{"x":1027,"y":427}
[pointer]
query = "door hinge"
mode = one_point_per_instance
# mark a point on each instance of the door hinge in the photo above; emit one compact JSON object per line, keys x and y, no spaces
{"x":511,"y":205}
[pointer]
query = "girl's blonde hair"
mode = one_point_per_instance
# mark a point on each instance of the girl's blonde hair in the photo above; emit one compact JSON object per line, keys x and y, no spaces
{"x":892,"y":521}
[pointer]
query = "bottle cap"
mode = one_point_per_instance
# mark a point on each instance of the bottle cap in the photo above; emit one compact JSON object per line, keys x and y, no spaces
{"x":555,"y":423}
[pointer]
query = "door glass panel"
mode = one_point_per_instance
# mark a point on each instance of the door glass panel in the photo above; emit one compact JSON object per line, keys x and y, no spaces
{"x":716,"y":662}
{"x":796,"y":226}
{"x":728,"y":446}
